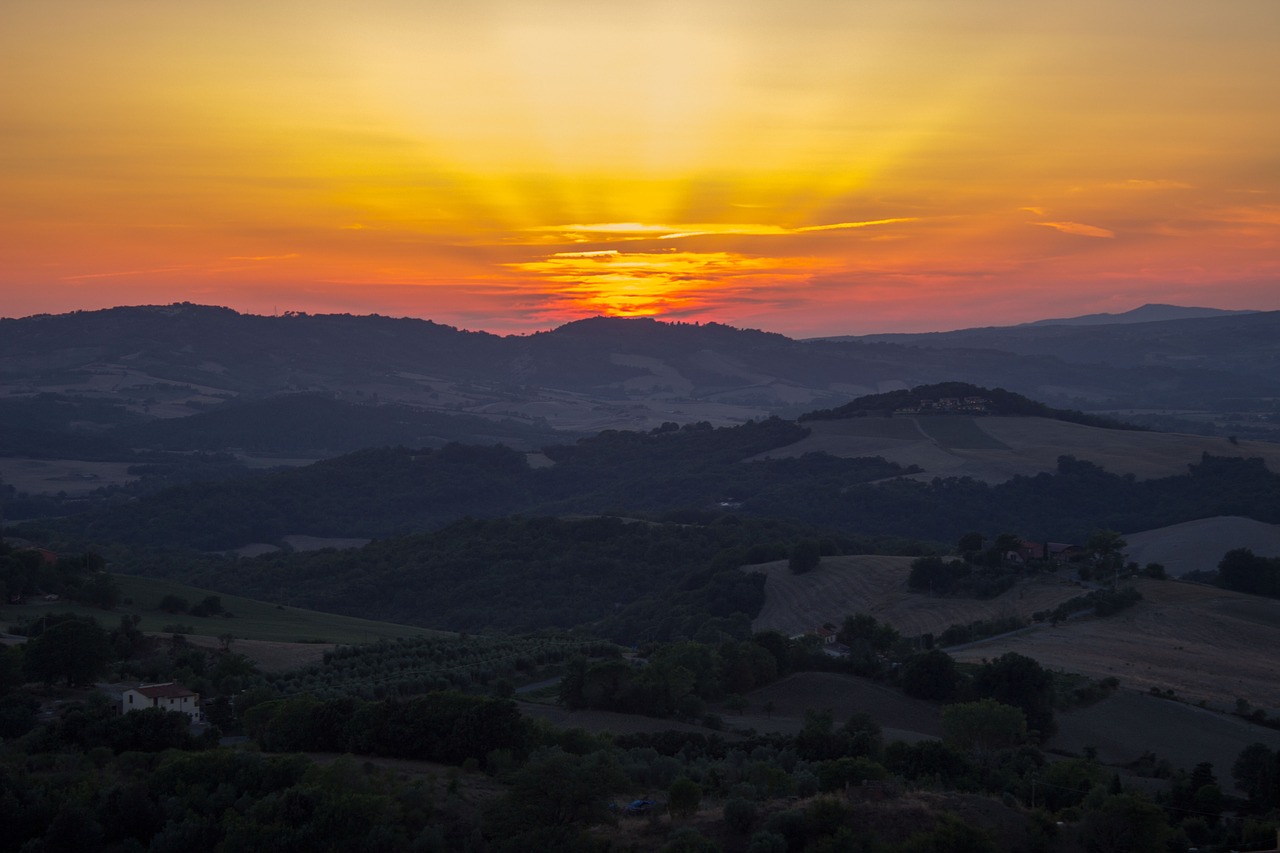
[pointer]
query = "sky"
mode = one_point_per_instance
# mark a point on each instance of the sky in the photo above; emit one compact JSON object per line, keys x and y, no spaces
{"x":811,"y":167}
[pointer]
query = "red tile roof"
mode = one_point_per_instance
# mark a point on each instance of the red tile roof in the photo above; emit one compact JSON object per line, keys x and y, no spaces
{"x":164,"y":691}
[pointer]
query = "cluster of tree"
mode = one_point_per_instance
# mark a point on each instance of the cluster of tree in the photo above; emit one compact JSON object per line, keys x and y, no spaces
{"x":1242,"y":570}
{"x":64,"y":648}
{"x":444,"y":726}
{"x":415,"y":490}
{"x":1256,"y":771}
{"x":218,"y":799}
{"x":980,"y":629}
{"x":43,"y":426}
{"x":98,"y":724}
{"x":1103,"y":602}
{"x":1012,"y":679}
{"x":29,"y":572}
{"x":210,"y":605}
{"x":677,"y":679}
{"x":960,"y":578}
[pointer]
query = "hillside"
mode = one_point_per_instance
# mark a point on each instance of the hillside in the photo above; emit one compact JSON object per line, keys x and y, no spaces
{"x":1198,"y":545}
{"x":796,"y":604}
{"x":1201,"y":642}
{"x":252,"y":620}
{"x":1241,"y":344}
{"x":1127,"y":724}
{"x":995,"y":448}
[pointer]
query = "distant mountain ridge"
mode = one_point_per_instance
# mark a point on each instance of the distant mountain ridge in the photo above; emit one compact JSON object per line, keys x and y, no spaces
{"x":155,"y":363}
{"x":1245,"y":344}
{"x":1150,"y":313}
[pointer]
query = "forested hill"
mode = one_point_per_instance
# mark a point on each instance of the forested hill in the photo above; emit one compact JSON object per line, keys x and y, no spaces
{"x":624,"y":579}
{"x":629,"y":578}
{"x":945,"y":398}
{"x":315,"y":425}
{"x":390,"y":491}
{"x":395,"y":491}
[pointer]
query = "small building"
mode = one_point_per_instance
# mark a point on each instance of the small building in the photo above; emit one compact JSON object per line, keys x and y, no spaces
{"x":167,"y":697}
{"x":1063,"y":552}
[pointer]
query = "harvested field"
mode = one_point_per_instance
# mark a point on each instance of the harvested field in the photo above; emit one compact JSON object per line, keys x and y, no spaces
{"x":1203,"y":643}
{"x":795,"y":604}
{"x":1126,"y":724}
{"x":299,"y":542}
{"x":899,"y":429}
{"x":1143,"y":454}
{"x":971,"y":446}
{"x":1199,"y":545}
{"x":960,"y":434}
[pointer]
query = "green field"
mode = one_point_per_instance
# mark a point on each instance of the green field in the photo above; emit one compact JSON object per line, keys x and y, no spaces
{"x":955,"y":433}
{"x":250,"y":619}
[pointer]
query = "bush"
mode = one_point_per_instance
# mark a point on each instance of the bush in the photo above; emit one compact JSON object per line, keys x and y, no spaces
{"x":174,"y":604}
{"x":740,"y":816}
{"x":683,"y":798}
{"x":932,"y":675}
{"x":767,"y":842}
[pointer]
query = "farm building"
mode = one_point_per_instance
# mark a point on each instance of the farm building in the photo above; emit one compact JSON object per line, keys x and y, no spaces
{"x":166,"y":697}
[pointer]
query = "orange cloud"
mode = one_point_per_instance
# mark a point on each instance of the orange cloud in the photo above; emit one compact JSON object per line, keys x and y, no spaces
{"x":639,"y":231}
{"x":1079,"y":229}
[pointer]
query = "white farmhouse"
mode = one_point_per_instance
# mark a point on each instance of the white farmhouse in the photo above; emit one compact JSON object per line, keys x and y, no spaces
{"x":166,"y":697}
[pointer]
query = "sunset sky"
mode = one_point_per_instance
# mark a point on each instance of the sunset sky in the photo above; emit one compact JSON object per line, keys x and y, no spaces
{"x":809,"y":167}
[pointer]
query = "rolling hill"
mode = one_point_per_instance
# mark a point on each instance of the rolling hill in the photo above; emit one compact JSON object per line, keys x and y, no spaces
{"x":840,"y":586}
{"x":151,"y":362}
{"x":930,"y":478}
{"x":1198,"y":545}
{"x":1202,"y":642}
{"x":995,"y":449}
{"x":1240,"y":344}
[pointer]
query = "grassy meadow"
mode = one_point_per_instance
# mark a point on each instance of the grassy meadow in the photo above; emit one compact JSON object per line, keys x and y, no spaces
{"x":249,"y":619}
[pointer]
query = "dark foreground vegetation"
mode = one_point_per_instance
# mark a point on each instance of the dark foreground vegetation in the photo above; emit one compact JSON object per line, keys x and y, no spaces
{"x":449,"y":770}
{"x":443,"y":757}
{"x":623,"y":579}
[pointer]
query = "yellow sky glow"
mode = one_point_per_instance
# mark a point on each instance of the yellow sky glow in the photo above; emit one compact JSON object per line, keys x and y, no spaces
{"x":810,"y":167}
